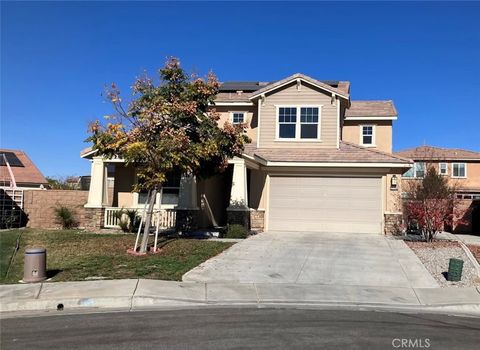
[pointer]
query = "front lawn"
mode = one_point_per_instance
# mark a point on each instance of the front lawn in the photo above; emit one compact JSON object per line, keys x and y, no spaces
{"x":76,"y":255}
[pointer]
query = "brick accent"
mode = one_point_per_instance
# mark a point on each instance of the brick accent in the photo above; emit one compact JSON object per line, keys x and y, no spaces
{"x":257,"y":220}
{"x":393,"y":224}
{"x":38,"y":205}
{"x":186,"y":220}
{"x":239,"y":217}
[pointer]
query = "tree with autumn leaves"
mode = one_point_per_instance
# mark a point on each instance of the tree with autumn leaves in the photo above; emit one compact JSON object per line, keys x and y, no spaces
{"x":169,"y":126}
{"x":431,"y":203}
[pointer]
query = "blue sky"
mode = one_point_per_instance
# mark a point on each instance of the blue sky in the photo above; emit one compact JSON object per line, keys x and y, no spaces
{"x":56,"y":58}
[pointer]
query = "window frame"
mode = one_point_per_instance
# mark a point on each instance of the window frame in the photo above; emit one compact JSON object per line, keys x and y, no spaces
{"x":415,"y":171}
{"x":440,"y":168}
{"x":464,"y":167}
{"x":298,"y":123}
{"x":238,"y":112}
{"x":373,"y":144}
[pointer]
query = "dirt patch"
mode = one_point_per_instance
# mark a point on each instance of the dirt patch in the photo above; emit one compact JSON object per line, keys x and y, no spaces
{"x":432,"y":245}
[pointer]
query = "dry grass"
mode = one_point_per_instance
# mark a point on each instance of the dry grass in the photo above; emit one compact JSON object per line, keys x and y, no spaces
{"x":76,"y":255}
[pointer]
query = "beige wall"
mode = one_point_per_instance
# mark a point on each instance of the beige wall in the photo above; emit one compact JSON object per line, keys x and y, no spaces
{"x":383,"y":133}
{"x":291,"y":96}
{"x":258,"y":189}
{"x":250,"y":118}
{"x":472,"y":181}
{"x":39,"y":206}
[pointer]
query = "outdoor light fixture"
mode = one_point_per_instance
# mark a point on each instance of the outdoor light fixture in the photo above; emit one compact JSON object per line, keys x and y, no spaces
{"x":393,"y":182}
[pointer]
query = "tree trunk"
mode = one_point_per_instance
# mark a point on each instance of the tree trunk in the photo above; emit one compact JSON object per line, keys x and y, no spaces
{"x":148,"y":220}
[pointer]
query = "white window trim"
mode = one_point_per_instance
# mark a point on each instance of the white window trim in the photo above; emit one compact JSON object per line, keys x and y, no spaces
{"x":244,"y":117}
{"x":459,"y":177}
{"x":298,"y":124}
{"x":373,"y":144}
{"x":440,"y":168}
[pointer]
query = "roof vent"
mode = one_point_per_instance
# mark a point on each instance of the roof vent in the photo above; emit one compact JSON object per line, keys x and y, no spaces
{"x":239,"y":92}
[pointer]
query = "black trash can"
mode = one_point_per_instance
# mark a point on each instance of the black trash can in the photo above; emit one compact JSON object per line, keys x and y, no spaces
{"x":455,"y":268}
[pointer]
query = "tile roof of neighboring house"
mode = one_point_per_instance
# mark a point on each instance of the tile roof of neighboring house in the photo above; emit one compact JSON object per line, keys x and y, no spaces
{"x":347,"y":153}
{"x":26,"y":174}
{"x":438,"y":153}
{"x":371,"y":109}
{"x":305,"y":78}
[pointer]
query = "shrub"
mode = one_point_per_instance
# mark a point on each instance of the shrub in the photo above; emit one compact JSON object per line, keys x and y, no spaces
{"x":130,"y":223}
{"x":236,"y":231}
{"x":64,"y":216}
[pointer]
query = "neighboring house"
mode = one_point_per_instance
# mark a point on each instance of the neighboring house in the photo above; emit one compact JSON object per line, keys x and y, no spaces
{"x":17,"y":173}
{"x":461,"y":167}
{"x":25,"y":174}
{"x":318,"y":162}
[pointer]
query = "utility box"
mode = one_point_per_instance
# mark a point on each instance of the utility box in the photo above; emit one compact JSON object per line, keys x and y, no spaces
{"x":455,"y":268}
{"x":35,"y":265}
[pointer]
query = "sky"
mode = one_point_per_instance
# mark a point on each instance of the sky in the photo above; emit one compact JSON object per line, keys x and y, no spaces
{"x":56,"y":58}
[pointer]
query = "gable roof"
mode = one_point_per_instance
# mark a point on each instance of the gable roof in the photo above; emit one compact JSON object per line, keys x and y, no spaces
{"x":28,"y":173}
{"x":438,"y":153}
{"x":305,"y":78}
{"x":380,"y":109}
{"x":346,"y":153}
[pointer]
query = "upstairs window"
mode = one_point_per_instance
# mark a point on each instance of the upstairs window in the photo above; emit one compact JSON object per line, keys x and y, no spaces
{"x":459,"y":170}
{"x":443,"y":168}
{"x":299,"y":123}
{"x":287,"y":122}
{"x":238,"y":117}
{"x":309,"y":122}
{"x":367,"y":135}
{"x":417,"y":171}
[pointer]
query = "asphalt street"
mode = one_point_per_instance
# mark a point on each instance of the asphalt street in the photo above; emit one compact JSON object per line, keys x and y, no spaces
{"x":239,"y":328}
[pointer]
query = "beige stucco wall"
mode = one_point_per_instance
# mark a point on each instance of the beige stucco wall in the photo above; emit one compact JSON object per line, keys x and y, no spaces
{"x":291,"y":96}
{"x":472,"y":181}
{"x":250,"y":118}
{"x":383,"y":133}
{"x":258,"y":189}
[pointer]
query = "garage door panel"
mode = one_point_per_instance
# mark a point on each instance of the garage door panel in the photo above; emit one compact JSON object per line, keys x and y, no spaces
{"x":325,"y":204}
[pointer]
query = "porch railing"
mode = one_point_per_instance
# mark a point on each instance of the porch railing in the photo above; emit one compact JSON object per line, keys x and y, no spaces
{"x":165,"y":218}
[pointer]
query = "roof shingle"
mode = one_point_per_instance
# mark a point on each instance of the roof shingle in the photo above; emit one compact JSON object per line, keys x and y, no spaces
{"x":26,"y":174}
{"x":438,"y":153}
{"x":371,"y":109}
{"x":347,"y":153}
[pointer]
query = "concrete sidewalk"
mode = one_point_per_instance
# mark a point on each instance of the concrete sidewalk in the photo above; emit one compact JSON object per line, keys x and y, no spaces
{"x":142,"y":294}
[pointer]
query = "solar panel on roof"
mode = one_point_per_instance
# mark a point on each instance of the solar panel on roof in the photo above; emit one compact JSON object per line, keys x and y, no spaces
{"x":12,"y":159}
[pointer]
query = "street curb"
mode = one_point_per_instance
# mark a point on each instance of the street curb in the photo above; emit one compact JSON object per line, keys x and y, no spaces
{"x":141,"y":303}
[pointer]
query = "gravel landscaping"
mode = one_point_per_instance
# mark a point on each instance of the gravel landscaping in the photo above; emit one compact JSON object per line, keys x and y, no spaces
{"x":435,"y":257}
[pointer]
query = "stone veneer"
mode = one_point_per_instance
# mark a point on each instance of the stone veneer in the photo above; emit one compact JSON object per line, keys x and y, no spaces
{"x":257,"y":220}
{"x":186,"y":220}
{"x":393,"y":223}
{"x":239,"y":217}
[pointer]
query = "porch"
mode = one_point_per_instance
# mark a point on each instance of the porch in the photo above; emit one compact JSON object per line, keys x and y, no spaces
{"x":183,"y":202}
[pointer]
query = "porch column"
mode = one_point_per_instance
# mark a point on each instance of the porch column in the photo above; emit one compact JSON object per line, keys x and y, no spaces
{"x":238,"y":211}
{"x":239,"y":191}
{"x":187,"y":210}
{"x":97,"y":194}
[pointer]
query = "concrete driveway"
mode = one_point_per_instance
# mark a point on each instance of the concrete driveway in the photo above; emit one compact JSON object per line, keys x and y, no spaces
{"x":316,"y":258}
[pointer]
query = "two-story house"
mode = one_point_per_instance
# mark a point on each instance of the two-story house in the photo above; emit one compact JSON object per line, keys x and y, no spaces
{"x":318,"y":162}
{"x":461,"y":167}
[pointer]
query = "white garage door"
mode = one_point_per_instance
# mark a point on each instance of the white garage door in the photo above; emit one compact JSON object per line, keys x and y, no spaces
{"x":325,"y":204}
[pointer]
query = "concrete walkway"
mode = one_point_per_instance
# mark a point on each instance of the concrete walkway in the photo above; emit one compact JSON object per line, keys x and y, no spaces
{"x":313,"y":258}
{"x":140,"y":294}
